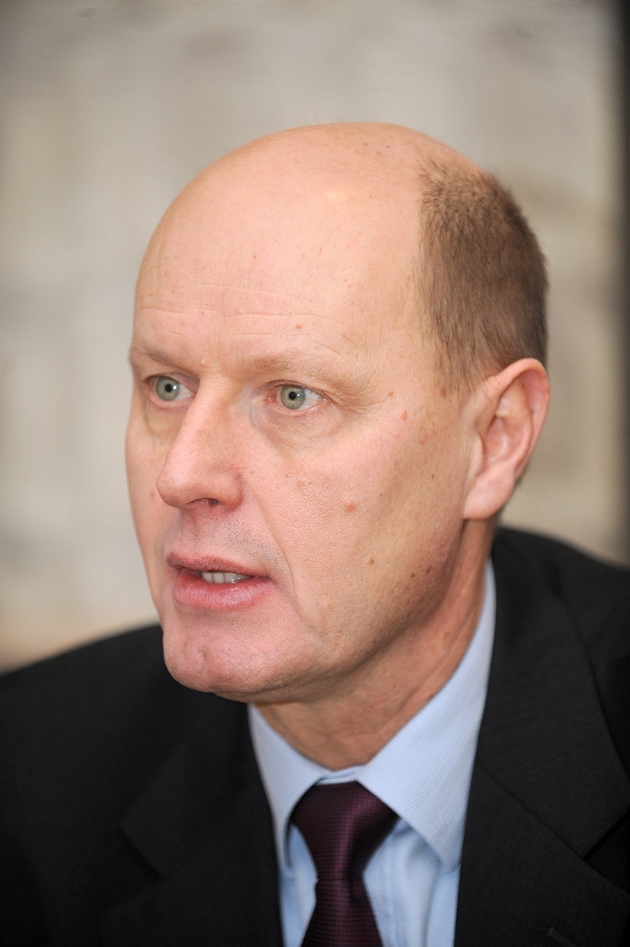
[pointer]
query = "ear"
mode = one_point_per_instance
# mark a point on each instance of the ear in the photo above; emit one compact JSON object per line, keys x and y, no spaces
{"x":508,"y":411}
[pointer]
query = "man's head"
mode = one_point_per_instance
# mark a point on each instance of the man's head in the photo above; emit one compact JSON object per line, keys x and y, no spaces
{"x":301,"y":415}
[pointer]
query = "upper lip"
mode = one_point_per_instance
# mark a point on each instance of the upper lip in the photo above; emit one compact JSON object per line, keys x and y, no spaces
{"x":208,"y":563}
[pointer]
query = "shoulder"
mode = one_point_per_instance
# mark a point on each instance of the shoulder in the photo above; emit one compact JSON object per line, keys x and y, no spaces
{"x":128,"y":658}
{"x":559,"y":560}
{"x":558,"y":583}
{"x":596,"y":593}
{"x":103,"y":715}
{"x":83,"y":737}
{"x":89,"y":689}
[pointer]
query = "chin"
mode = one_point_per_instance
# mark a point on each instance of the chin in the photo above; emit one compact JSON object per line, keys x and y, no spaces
{"x":219,"y":666}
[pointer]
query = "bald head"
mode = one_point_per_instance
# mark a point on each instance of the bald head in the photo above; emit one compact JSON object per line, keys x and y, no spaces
{"x":369,"y":209}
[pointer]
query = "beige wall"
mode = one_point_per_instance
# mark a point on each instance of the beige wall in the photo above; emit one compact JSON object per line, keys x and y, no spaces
{"x":107,"y":108}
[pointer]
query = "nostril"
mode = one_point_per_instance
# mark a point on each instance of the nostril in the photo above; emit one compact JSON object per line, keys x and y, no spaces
{"x":190,"y":476}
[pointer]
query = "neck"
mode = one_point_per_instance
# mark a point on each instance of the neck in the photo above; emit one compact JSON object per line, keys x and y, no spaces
{"x":348,"y":728}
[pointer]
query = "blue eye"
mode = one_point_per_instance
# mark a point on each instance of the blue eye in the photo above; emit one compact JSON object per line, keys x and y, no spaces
{"x":297,"y":396}
{"x":167,"y":389}
{"x":293,"y":396}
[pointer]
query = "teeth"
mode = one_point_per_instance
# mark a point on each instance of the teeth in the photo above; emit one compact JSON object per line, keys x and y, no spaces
{"x":221,"y":578}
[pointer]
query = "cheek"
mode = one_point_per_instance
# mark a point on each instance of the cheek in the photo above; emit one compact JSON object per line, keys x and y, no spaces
{"x":329,"y":508}
{"x":144,"y":461}
{"x":356,"y":515}
{"x":366,"y":553}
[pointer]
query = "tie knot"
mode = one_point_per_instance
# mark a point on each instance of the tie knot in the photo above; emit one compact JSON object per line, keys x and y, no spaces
{"x":343,"y":824}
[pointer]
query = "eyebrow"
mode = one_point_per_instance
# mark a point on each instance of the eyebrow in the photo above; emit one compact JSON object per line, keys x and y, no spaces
{"x":281,"y":364}
{"x":264,"y":362}
{"x":137,"y":352}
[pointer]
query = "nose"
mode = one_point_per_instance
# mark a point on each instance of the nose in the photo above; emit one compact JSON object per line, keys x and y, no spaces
{"x":201,"y":463}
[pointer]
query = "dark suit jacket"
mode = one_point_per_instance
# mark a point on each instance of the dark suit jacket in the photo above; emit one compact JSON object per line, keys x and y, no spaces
{"x":133,"y":815}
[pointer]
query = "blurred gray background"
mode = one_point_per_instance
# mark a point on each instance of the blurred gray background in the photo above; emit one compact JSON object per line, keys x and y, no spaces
{"x":108,"y":107}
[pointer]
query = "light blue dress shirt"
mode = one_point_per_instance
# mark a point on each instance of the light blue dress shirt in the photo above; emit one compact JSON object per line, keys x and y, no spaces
{"x":423,"y":774}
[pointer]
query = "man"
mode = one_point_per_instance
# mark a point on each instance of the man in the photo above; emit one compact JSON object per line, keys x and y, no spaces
{"x":338,"y":380}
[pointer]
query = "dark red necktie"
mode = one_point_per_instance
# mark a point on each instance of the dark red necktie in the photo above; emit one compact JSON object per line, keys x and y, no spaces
{"x":343,"y":824}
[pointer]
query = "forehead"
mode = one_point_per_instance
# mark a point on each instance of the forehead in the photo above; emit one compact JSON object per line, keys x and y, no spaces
{"x":277,"y":263}
{"x":245,"y":334}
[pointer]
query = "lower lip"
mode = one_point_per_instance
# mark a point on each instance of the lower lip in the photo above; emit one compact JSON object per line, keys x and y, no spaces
{"x":191,"y":591}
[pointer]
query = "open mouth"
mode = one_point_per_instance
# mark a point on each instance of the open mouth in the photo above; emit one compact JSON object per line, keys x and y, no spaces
{"x":224,"y":578}
{"x":217,"y":590}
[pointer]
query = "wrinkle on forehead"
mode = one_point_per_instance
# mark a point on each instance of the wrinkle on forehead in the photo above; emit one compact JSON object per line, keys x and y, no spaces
{"x":248,"y":348}
{"x":243,"y":297}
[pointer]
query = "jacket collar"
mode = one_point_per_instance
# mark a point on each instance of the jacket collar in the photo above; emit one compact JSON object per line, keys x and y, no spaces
{"x":547,"y":783}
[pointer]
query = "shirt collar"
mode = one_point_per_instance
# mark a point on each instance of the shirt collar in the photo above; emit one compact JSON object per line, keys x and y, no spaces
{"x":423,"y":773}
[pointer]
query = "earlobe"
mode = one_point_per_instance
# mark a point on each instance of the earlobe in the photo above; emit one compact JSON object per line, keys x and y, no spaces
{"x":508,"y":411}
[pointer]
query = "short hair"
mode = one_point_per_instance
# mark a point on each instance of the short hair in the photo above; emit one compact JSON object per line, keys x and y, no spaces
{"x":482,"y":277}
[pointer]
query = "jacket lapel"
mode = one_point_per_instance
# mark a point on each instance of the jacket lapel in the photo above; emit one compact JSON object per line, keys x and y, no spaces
{"x":547,"y":784}
{"x":204,"y":826}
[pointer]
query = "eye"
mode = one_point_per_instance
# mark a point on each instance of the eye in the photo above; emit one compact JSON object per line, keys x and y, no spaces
{"x":296,"y":396}
{"x":169,"y":389}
